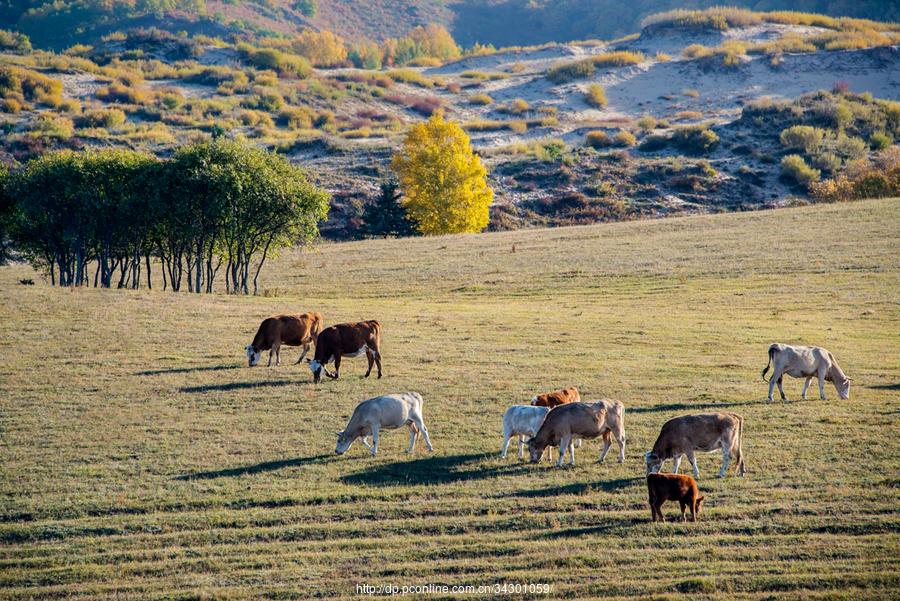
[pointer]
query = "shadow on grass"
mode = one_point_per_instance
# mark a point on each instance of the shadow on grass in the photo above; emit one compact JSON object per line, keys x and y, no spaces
{"x":185,"y":370}
{"x":237,"y":386}
{"x":440,"y":469}
{"x":885,"y":387}
{"x":609,"y":525}
{"x":689,"y":406}
{"x":266,"y":466}
{"x":576,"y":488}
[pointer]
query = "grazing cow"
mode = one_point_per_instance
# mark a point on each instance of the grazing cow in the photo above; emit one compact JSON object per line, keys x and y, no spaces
{"x":290,"y":330}
{"x":522,"y":421}
{"x":557,"y":397}
{"x":387,"y":412}
{"x":346,"y":340}
{"x":673,"y":487}
{"x":580,"y":420}
{"x":705,"y":432}
{"x":805,"y":362}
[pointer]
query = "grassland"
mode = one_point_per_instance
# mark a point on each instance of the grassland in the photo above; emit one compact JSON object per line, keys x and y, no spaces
{"x":141,"y":458}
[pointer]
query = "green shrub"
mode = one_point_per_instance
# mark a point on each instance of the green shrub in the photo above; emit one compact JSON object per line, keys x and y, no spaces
{"x":880,"y":140}
{"x":297,"y":118}
{"x":653,"y":143}
{"x":826,"y":161}
{"x":52,"y":126}
{"x":270,"y":58}
{"x":695,"y":139}
{"x":571,"y":71}
{"x":794,"y":168}
{"x":124,"y":95}
{"x":803,"y":137}
{"x":10,"y":105}
{"x":480,"y":99}
{"x":647,"y":123}
{"x":596,"y":96}
{"x":107,"y":118}
{"x":27,"y":85}
{"x":850,"y":147}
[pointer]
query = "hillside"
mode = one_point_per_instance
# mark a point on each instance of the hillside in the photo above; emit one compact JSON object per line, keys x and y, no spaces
{"x":699,"y":112}
{"x":142,"y":458}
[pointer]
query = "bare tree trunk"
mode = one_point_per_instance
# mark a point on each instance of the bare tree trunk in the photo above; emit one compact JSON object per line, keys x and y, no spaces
{"x":149,"y":281}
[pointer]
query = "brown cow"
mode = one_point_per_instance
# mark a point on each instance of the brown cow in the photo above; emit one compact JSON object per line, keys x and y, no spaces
{"x":705,"y":432}
{"x":673,"y":487}
{"x":346,"y":340}
{"x":567,"y":422}
{"x":290,"y":330}
{"x":557,"y":397}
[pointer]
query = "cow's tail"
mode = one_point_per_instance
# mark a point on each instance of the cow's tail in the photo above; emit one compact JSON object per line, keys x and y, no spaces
{"x":771,"y":355}
{"x":740,"y":446}
{"x":318,"y":326}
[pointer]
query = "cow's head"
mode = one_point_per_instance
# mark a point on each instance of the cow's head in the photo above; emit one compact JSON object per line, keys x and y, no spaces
{"x":535,"y":450}
{"x":843,"y":388}
{"x":343,"y":442}
{"x":316,"y":368}
{"x":253,"y":355}
{"x":654,"y":463}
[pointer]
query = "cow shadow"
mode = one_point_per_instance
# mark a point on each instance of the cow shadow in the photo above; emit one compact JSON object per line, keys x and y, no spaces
{"x":185,"y":370}
{"x":576,"y":488}
{"x":610,"y":525}
{"x":437,"y":469}
{"x":228,"y":386}
{"x":689,"y":406}
{"x":885,"y":387}
{"x":256,"y":468}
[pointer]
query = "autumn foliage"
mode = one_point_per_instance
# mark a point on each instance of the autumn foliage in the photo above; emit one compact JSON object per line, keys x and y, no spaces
{"x":444,"y":181}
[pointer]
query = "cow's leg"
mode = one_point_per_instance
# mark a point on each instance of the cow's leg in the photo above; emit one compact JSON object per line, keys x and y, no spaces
{"x":822,"y":384}
{"x":303,"y":354}
{"x":337,"y":367}
{"x":805,"y":387}
{"x":521,"y":446}
{"x":374,"y":440}
{"x":620,"y":438}
{"x":506,"y":437}
{"x":781,"y":388}
{"x":693,"y":459}
{"x":420,"y":425}
{"x":371,"y":359}
{"x":378,"y":362}
{"x":726,"y":458}
{"x":775,"y":379}
{"x":269,"y":364}
{"x":365,"y":441}
{"x":578,"y":444}
{"x":683,"y":511}
{"x":659,"y":512}
{"x":676,"y":463}
{"x":564,"y":442}
{"x":607,"y":442}
{"x":413,"y":433}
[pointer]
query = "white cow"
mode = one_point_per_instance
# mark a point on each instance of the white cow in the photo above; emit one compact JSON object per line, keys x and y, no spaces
{"x":522,"y":421}
{"x":387,"y":412}
{"x":805,"y":362}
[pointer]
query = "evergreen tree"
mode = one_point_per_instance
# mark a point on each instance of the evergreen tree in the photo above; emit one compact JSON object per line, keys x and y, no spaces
{"x":385,"y":216}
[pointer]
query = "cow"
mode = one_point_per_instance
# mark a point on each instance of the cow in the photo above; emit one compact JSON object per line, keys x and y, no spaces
{"x":805,"y":362}
{"x":522,"y":421}
{"x":346,"y":340}
{"x":705,"y":432}
{"x":290,"y":330}
{"x":673,"y":487}
{"x":580,"y":420}
{"x":556,"y":398}
{"x":386,"y":412}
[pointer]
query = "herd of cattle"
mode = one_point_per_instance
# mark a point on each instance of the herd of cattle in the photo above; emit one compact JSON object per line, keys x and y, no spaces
{"x":555,"y":419}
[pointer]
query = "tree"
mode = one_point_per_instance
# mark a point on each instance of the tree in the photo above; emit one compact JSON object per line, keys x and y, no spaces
{"x":7,"y":214}
{"x":444,"y":181}
{"x":385,"y":216}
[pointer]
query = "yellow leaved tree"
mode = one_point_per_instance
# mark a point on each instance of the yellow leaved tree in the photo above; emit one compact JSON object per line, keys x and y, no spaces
{"x":443,"y":180}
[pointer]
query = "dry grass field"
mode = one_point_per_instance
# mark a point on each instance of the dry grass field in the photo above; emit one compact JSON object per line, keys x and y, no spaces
{"x":142,"y":459}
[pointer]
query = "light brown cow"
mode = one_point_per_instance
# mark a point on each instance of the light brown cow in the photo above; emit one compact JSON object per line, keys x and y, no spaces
{"x":705,"y":432}
{"x":557,"y":397}
{"x":346,"y":340}
{"x":673,"y":487}
{"x":805,"y":362}
{"x":290,"y":330}
{"x":567,"y":422}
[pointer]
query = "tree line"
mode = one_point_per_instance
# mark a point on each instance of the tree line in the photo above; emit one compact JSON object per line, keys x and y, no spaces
{"x":106,"y":217}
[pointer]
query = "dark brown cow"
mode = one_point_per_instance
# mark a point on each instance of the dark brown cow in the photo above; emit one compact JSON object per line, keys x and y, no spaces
{"x":557,"y":397}
{"x":346,"y":340}
{"x":673,"y":487}
{"x":290,"y":330}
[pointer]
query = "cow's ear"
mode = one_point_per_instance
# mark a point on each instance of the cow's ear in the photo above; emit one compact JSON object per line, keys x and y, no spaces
{"x":307,"y":360}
